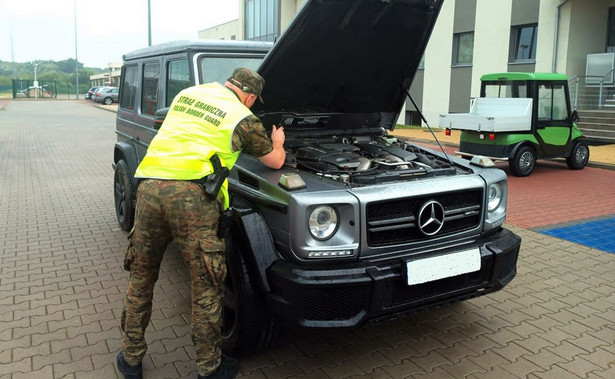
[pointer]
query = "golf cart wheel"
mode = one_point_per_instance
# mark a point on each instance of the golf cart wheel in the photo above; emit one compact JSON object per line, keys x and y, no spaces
{"x":579,"y":156}
{"x":523,"y":162}
{"x":247,"y":326}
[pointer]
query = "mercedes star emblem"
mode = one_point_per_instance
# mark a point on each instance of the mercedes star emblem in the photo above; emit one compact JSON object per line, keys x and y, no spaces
{"x":431,"y":218}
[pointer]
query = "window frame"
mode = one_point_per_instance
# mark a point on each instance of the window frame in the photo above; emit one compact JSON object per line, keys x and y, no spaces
{"x":551,"y":100}
{"x":128,"y":93}
{"x":457,"y":40}
{"x":182,"y":84}
{"x":516,"y":34}
{"x":149,"y":104}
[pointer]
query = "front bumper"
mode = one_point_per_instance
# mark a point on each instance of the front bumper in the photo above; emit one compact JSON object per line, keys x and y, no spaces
{"x":368,"y":292}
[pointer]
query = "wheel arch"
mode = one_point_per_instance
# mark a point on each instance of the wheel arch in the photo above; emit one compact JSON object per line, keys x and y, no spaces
{"x":251,"y":233}
{"x":127,"y":152}
{"x":521,"y":144}
{"x":573,"y":143}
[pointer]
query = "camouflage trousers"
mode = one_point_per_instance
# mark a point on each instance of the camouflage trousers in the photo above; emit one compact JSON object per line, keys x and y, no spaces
{"x":169,"y":210}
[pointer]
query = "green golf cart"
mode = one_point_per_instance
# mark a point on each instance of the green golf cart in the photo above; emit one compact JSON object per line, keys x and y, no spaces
{"x":521,"y":117}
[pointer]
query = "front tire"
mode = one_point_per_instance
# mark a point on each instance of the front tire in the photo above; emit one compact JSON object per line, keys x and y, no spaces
{"x":523,"y":162}
{"x":108,"y":101}
{"x":247,"y":327}
{"x":123,"y":194}
{"x":579,"y":156}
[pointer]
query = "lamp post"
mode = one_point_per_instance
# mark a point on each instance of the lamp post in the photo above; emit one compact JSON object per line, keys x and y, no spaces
{"x":149,"y":23}
{"x":76,"y":58}
{"x":35,"y":82}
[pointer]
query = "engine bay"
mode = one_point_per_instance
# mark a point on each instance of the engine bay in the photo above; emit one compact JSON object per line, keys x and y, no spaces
{"x":363,"y":160}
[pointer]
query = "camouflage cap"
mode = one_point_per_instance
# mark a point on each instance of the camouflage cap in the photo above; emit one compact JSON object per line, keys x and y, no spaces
{"x":248,"y":81}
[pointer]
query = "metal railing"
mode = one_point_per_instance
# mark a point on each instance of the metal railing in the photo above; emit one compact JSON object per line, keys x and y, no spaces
{"x":591,"y":95}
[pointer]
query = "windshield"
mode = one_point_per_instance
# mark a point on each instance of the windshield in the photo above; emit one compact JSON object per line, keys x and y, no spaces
{"x":504,"y":89}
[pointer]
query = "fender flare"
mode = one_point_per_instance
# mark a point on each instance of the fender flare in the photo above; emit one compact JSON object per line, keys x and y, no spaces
{"x":573,"y":143}
{"x":128,"y":153}
{"x":519,"y":145}
{"x":251,"y":232}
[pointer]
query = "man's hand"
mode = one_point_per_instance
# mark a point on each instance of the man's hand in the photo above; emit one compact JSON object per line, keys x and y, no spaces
{"x":277,"y":156}
{"x":277,"y":136}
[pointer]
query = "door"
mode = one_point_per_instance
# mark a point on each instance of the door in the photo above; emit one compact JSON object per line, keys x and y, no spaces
{"x":553,"y":123}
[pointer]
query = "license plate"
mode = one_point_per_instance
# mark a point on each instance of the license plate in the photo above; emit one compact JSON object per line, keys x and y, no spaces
{"x":443,"y":266}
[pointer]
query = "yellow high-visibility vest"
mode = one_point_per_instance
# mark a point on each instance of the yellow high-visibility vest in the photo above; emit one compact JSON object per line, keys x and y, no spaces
{"x":200,"y":123}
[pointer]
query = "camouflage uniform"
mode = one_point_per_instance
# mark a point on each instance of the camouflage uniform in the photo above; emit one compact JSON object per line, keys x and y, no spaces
{"x":169,"y":210}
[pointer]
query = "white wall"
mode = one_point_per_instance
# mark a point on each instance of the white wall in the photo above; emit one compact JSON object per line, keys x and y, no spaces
{"x":491,"y":40}
{"x":546,"y":34}
{"x":437,"y":73}
{"x":289,"y":8}
{"x":223,"y":31}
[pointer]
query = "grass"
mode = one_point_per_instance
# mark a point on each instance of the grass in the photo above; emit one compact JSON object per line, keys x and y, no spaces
{"x":402,"y":126}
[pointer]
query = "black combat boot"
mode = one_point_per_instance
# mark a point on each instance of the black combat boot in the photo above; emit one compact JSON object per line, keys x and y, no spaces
{"x":227,"y":369}
{"x":129,"y":372}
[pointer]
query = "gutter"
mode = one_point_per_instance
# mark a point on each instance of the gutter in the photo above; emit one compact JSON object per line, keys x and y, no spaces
{"x":557,"y":16}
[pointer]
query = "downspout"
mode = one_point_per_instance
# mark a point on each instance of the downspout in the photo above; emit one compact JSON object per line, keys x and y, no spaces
{"x":557,"y":14}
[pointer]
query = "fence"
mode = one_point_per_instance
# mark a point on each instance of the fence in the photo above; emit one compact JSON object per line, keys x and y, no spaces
{"x":27,"y":88}
{"x":588,"y":92}
{"x":47,"y":89}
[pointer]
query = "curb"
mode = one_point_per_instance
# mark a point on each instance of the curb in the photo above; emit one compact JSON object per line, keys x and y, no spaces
{"x":108,"y":108}
{"x":602,"y":165}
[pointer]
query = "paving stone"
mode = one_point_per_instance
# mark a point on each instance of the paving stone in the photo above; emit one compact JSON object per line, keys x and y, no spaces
{"x":61,"y":278}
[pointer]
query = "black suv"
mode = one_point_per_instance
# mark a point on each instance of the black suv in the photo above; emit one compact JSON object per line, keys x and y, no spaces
{"x":358,"y":226}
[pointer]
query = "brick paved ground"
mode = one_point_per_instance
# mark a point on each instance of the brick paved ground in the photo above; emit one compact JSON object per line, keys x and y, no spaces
{"x":61,"y":285}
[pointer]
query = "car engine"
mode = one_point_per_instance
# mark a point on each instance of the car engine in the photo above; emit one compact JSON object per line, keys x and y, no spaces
{"x":365,"y":160}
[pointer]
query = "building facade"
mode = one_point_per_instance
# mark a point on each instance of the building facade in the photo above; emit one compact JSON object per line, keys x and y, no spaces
{"x":471,"y":38}
{"x":109,"y":78}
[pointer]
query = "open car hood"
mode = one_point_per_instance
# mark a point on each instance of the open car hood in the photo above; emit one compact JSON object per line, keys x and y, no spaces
{"x":347,"y":62}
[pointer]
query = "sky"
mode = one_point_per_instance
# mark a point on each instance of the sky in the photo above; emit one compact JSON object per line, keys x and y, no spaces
{"x":33,"y":30}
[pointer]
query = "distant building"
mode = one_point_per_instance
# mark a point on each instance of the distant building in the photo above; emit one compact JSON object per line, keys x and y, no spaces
{"x":471,"y":38}
{"x":109,"y":78}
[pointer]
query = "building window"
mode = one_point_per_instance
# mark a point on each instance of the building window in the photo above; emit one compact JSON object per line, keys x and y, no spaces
{"x":523,"y":43}
{"x":463,"y":49}
{"x":262,"y":20}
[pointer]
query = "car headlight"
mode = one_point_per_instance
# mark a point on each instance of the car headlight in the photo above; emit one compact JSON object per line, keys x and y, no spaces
{"x":323,"y":222}
{"x":495,"y":197}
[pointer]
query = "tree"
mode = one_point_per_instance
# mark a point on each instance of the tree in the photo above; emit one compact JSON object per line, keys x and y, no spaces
{"x":68,"y":66}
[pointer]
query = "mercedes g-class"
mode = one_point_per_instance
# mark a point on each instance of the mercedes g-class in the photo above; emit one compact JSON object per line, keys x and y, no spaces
{"x":358,"y":226}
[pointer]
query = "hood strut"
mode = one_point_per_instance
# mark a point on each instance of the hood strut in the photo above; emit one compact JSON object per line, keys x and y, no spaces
{"x":429,"y":127}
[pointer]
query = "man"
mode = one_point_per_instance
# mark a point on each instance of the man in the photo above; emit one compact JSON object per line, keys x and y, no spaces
{"x":206,"y":128}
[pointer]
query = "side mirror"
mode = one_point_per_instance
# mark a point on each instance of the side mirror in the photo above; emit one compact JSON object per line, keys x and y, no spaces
{"x":159,"y":117}
{"x":575,"y":116}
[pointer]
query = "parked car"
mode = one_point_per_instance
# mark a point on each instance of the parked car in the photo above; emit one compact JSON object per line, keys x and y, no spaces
{"x":106,"y":95}
{"x":359,"y":226}
{"x":90,"y":92}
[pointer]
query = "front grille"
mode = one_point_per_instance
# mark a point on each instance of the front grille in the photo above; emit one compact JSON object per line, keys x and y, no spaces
{"x":331,"y":303}
{"x":396,"y":221}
